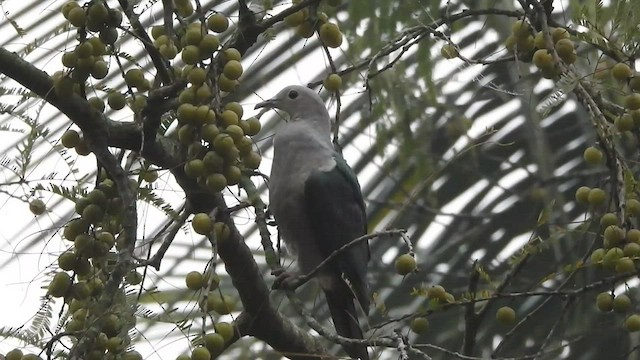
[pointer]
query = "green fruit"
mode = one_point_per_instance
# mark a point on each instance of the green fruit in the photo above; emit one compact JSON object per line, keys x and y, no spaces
{"x":191,"y":54}
{"x":96,"y":103}
{"x":582,"y":195}
{"x":419,"y":325}
{"x":333,"y":82}
{"x":233,"y":174}
{"x":255,"y":126}
{"x":195,"y":280}
{"x":295,"y":19}
{"x":558,"y":34}
{"x":204,"y":94}
{"x":225,"y":329}
{"x":63,"y":86}
{"x":597,"y":256}
{"x":93,"y":214}
{"x":252,"y":160}
{"x":234,"y":131}
{"x":624,"y":265}
{"x":149,"y":175}
{"x":186,"y":113}
{"x":98,"y":197}
{"x":69,"y":59}
{"x":157,"y":31}
{"x":450,"y":51}
{"x":222,"y":233}
{"x":193,"y":36}
{"x":194,"y":168}
{"x":132,"y":355}
{"x":209,"y":44}
{"x":59,"y":285}
{"x":632,"y":323}
{"x":305,"y":30}
{"x":564,"y":48}
{"x":202,"y":223}
{"x":209,"y":132}
{"x":134,"y":78}
{"x":227,"y":85}
{"x":596,"y":197}
{"x":74,"y":228}
{"x":608,"y":219}
{"x":235,"y":107}
{"x":231,"y":54}
{"x":15,"y":354}
{"x":405,"y":264}
{"x":631,"y":250}
{"x":98,"y":13}
{"x":543,"y":59}
{"x":108,"y":35}
{"x":67,"y":7}
{"x":330,"y":35}
{"x":223,"y":144}
{"x":216,"y":182}
{"x":133,"y":278}
{"x":624,"y":123}
{"x":506,"y":315}
{"x":82,"y":148}
{"x":197,"y":76}
{"x":170,"y":51}
{"x":70,"y":138}
{"x":200,"y":353}
{"x":223,"y":305}
{"x":634,"y":83}
{"x":80,"y":290}
{"x":633,"y":207}
{"x":67,"y":261}
{"x":77,"y":17}
{"x":218,"y":23}
{"x":633,"y":235}
{"x":232,"y":70}
{"x":521,"y":28}
{"x":84,"y":50}
{"x":621,"y":71}
{"x":106,"y":238}
{"x":116,"y":100}
{"x":613,"y":235}
{"x":611,"y":258}
{"x":244,"y":145}
{"x":214,"y":343}
{"x":632,"y":101}
{"x":37,"y":207}
{"x":437,"y":292}
{"x":185,"y":10}
{"x":186,"y":134}
{"x":621,"y":303}
{"x":214,"y":163}
{"x":229,"y":117}
{"x":99,"y":70}
{"x":84,"y":244}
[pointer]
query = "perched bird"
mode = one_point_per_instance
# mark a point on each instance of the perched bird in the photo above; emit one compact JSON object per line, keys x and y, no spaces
{"x":316,"y":200}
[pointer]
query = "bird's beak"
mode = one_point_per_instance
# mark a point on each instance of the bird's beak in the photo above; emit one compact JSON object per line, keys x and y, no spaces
{"x":269,"y":104}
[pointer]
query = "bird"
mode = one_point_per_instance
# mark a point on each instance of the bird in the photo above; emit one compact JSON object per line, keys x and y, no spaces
{"x":317,"y":203}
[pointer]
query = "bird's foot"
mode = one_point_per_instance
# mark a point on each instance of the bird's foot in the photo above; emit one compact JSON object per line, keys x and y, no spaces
{"x":286,"y":280}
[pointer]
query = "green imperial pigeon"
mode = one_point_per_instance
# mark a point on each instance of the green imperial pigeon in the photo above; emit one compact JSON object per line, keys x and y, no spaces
{"x":316,"y":201}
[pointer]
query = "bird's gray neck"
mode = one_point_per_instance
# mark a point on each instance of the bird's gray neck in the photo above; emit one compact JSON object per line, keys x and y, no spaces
{"x":305,"y":135}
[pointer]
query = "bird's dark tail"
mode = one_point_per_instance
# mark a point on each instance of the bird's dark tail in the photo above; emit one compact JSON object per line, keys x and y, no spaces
{"x":345,"y":319}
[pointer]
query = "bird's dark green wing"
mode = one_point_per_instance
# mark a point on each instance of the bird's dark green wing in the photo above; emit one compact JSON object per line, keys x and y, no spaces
{"x":336,"y":213}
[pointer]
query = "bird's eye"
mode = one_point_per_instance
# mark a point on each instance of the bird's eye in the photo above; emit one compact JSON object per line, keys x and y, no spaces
{"x":293,"y":94}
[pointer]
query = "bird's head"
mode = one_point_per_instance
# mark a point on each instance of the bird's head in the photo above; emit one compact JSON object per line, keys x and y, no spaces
{"x":297,"y":101}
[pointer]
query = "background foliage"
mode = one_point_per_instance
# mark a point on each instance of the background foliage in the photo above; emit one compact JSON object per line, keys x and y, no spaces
{"x":478,"y":157}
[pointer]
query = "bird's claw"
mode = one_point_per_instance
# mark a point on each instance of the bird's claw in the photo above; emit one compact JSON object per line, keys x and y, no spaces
{"x":285,"y":280}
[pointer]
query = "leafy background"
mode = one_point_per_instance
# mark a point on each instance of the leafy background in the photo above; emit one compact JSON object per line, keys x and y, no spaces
{"x":478,"y":158}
